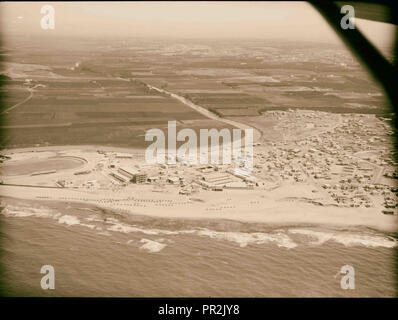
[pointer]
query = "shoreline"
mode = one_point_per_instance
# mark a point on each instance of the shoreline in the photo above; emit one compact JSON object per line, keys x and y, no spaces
{"x":290,"y":203}
{"x":111,"y":220}
{"x":278,"y":213}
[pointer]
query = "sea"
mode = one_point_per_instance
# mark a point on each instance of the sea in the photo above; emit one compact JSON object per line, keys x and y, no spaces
{"x":101,"y":253}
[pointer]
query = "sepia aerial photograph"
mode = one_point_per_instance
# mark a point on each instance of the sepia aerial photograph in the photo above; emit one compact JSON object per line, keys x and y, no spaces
{"x":194,"y":149}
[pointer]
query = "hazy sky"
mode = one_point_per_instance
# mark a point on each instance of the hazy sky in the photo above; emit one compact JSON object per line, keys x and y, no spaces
{"x":268,"y":20}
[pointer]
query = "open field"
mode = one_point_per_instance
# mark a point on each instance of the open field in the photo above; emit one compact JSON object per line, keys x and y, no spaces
{"x":32,"y":166}
{"x":96,"y":99}
{"x":108,"y":112}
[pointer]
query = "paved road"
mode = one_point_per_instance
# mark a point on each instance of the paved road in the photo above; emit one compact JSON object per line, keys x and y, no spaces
{"x":209,"y":114}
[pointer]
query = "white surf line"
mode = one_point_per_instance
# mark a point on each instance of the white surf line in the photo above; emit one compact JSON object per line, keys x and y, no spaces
{"x":207,"y":113}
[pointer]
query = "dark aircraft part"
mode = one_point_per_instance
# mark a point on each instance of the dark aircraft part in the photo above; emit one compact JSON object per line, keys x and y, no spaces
{"x":382,"y":70}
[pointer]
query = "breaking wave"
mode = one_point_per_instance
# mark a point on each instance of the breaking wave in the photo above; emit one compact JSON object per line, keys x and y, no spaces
{"x":22,"y":212}
{"x":281,"y":238}
{"x":346,"y":238}
{"x":243,"y":239}
{"x":152,"y":246}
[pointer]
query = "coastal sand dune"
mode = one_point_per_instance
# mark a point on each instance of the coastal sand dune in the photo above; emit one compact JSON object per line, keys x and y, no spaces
{"x":240,"y":206}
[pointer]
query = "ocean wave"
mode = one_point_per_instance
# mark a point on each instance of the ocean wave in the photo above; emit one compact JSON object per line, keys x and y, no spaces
{"x":72,"y":220}
{"x":69,"y":220}
{"x":104,"y":233}
{"x":243,"y":239}
{"x":94,"y":218}
{"x":125,"y":228}
{"x":22,"y":212}
{"x":346,"y":238}
{"x":42,"y":212}
{"x":152,"y":246}
{"x":278,"y":237}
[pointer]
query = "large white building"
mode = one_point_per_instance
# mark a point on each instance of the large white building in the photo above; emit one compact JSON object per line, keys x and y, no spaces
{"x":128,"y":172}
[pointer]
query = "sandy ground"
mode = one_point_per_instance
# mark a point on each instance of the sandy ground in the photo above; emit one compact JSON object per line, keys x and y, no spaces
{"x":242,"y":205}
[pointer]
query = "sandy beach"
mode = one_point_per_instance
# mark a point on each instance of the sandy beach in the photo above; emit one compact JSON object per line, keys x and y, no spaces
{"x":234,"y":205}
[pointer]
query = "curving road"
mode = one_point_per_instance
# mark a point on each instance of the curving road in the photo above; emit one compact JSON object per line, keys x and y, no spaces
{"x":22,"y":102}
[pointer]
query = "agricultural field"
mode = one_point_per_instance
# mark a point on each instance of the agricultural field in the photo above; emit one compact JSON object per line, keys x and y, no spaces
{"x":98,"y":92}
{"x":64,"y":102}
